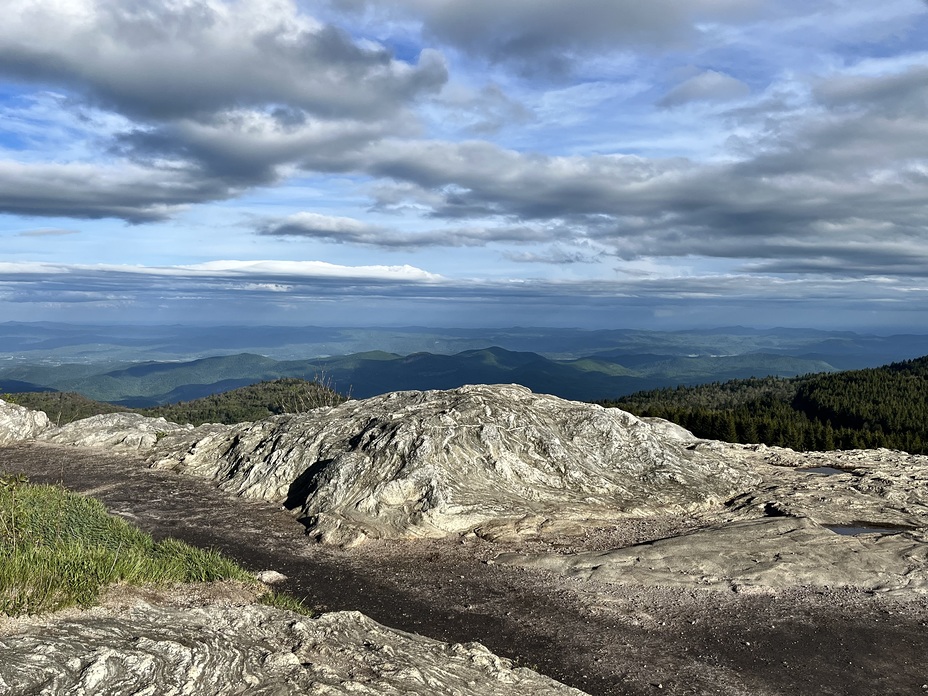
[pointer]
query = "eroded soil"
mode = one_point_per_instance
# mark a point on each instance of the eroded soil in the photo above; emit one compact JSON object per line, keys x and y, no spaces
{"x":604,"y":639}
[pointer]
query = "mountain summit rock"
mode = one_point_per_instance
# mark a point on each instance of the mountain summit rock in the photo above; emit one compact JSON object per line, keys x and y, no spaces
{"x":496,"y":460}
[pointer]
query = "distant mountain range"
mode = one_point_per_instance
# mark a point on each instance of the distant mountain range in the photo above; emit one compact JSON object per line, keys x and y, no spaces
{"x":580,"y":365}
{"x":366,"y":374}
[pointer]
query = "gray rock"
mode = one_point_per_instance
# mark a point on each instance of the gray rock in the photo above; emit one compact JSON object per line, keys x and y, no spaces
{"x":763,"y":553}
{"x":252,"y":649}
{"x":121,"y":431}
{"x":498,"y":460}
{"x":18,"y":423}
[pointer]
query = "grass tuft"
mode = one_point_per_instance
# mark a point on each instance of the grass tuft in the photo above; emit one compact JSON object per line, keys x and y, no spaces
{"x":288,"y":602}
{"x":60,"y":549}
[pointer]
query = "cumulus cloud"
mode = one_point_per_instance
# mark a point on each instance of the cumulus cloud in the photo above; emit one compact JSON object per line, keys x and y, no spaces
{"x":166,"y":59}
{"x":554,"y":255}
{"x":216,"y":97}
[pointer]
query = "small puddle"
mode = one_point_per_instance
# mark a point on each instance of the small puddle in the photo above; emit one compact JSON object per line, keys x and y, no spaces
{"x":861,"y":528}
{"x":824,"y":471}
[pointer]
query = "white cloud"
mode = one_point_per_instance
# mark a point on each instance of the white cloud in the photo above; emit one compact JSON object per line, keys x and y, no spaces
{"x":709,"y":85}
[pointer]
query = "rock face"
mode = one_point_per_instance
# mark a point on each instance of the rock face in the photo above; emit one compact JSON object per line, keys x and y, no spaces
{"x":126,"y":431}
{"x":498,"y":460}
{"x":253,"y":649}
{"x":768,"y":553}
{"x":778,"y":533}
{"x":18,"y":423}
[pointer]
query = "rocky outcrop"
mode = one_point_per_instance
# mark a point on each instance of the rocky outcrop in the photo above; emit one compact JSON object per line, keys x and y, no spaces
{"x":766,"y":553}
{"x":119,"y":431}
{"x":18,"y":423}
{"x":250,"y":649}
{"x":498,"y":460}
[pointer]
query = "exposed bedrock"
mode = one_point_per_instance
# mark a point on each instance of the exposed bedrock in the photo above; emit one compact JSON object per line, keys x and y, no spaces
{"x":498,"y":460}
{"x":766,"y":553}
{"x":18,"y":423}
{"x":120,"y":431}
{"x":251,"y":649}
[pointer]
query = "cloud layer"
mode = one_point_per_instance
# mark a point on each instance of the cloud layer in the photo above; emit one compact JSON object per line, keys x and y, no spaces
{"x":509,"y":144}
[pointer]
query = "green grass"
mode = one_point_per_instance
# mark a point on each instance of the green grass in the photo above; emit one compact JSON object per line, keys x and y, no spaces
{"x":60,"y":549}
{"x":281,"y":600}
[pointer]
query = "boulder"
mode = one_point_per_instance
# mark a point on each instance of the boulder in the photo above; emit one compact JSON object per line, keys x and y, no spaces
{"x":120,"y":431}
{"x":18,"y":423}
{"x":498,"y":460}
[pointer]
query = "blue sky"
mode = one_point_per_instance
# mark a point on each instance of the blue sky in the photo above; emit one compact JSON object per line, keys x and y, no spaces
{"x":592,"y":163}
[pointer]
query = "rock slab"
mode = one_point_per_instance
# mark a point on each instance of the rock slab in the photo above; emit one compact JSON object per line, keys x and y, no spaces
{"x":775,"y":552}
{"x":224,"y":650}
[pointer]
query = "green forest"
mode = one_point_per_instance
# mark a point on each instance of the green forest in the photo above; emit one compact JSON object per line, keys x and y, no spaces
{"x":877,"y":407}
{"x":250,"y":403}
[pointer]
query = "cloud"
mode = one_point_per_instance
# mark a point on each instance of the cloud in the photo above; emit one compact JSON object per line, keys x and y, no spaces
{"x":823,"y":177}
{"x":166,"y":59}
{"x":709,"y":85}
{"x":262,"y":292}
{"x":342,"y":230}
{"x":547,"y":36}
{"x":47,"y":232}
{"x":554,"y":255}
{"x":89,"y":191}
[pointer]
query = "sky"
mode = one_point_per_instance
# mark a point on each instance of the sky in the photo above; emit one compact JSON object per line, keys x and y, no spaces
{"x":581,"y":163}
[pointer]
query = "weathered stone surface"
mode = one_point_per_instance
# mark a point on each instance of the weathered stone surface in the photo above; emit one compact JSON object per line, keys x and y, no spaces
{"x":874,"y":486}
{"x":127,"y":431}
{"x":249,"y":649}
{"x":496,"y":459}
{"x":772,"y":552}
{"x":18,"y":423}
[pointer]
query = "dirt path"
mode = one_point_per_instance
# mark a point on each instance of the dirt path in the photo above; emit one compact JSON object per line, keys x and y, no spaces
{"x":600,"y":638}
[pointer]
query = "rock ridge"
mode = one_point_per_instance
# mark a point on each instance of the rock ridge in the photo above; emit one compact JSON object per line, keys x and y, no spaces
{"x":497,"y":460}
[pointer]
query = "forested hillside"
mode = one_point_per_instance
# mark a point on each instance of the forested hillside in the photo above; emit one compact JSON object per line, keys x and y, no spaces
{"x":251,"y":403}
{"x":878,"y":407}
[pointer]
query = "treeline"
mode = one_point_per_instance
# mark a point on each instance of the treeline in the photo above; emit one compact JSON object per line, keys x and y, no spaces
{"x":878,"y":407}
{"x":62,"y":407}
{"x":250,"y":403}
